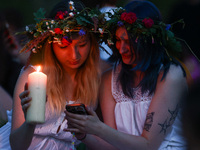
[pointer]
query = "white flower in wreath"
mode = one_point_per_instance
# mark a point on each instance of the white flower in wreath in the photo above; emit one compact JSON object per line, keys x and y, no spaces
{"x":71,"y":2}
{"x":27,"y":28}
{"x":71,"y":14}
{"x":101,"y":30}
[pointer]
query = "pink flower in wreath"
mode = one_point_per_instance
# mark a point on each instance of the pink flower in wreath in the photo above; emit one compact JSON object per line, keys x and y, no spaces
{"x":128,"y":17}
{"x":60,"y":15}
{"x":66,"y":41}
{"x":148,"y":22}
{"x":58,"y":31}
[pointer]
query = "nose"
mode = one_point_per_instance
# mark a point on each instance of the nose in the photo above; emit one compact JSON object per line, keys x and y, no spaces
{"x":123,"y":48}
{"x":75,"y":53}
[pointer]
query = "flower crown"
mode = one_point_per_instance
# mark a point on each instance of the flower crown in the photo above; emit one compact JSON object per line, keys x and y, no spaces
{"x":60,"y":29}
{"x":146,"y":28}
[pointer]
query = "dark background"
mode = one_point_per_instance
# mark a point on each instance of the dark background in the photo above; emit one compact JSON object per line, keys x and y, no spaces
{"x":28,"y":7}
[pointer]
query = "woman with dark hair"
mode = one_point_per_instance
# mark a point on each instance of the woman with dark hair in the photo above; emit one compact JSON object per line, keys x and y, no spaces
{"x":141,"y":96}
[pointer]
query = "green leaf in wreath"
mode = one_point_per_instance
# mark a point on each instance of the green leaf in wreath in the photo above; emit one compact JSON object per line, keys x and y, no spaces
{"x":40,"y":14}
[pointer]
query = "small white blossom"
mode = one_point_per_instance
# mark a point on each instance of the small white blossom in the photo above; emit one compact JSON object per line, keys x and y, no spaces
{"x":47,"y":23}
{"x":34,"y":50}
{"x":101,"y":30}
{"x":71,"y":14}
{"x":72,"y":8}
{"x":71,"y":3}
{"x":52,"y":21}
{"x":27,"y":28}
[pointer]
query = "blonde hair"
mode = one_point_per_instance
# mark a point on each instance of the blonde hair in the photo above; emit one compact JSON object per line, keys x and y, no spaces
{"x":87,"y":78}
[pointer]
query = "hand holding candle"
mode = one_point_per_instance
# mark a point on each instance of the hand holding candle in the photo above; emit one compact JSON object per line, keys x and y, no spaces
{"x":37,"y":86}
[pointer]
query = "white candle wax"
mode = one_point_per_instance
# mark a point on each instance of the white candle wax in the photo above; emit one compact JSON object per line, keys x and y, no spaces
{"x":37,"y":86}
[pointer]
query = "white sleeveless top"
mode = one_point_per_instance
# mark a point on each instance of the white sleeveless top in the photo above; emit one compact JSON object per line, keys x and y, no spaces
{"x":130,"y":115}
{"x":46,"y":135}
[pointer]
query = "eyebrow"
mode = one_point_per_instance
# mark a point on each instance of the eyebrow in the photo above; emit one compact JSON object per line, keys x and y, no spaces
{"x":84,"y":37}
{"x":83,"y":40}
{"x":122,"y":36}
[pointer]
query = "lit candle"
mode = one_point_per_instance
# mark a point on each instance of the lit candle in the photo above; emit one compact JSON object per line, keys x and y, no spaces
{"x":37,"y":86}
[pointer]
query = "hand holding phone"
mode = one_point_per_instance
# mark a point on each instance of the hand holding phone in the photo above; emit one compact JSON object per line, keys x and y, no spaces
{"x":78,"y":108}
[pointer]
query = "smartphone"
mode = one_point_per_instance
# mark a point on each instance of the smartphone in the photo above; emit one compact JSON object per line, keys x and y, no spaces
{"x":78,"y":108}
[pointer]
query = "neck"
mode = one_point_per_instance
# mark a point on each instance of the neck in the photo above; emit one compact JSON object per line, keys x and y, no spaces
{"x":70,"y":73}
{"x":70,"y":83}
{"x":138,"y":77}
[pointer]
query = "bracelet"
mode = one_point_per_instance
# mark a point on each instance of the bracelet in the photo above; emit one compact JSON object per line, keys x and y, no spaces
{"x":83,"y":137}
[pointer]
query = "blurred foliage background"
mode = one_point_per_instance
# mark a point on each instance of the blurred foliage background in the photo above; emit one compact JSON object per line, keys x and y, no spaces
{"x":28,"y":7}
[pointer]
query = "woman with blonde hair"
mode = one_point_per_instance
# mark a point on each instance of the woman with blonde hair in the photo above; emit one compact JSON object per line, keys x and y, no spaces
{"x":66,"y":47}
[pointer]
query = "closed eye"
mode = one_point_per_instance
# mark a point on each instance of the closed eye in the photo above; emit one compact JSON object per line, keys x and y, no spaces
{"x":82,"y":45}
{"x":64,"y":46}
{"x":60,"y":45}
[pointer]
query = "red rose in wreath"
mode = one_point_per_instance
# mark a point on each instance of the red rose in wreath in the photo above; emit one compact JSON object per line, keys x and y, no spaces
{"x":58,"y":31}
{"x":128,"y":17}
{"x":148,"y":22}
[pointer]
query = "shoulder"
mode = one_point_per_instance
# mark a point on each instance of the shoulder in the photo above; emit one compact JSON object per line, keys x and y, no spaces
{"x":106,"y":82}
{"x":175,"y":73}
{"x":23,"y":77}
{"x":174,"y":80}
{"x":106,"y":76}
{"x":26,"y":71}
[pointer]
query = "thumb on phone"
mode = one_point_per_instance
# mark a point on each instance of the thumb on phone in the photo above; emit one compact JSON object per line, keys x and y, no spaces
{"x":90,"y":111}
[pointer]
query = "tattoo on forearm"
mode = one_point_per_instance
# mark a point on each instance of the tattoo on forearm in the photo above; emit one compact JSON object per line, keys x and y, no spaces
{"x":149,"y":121}
{"x":168,"y":122}
{"x":164,"y":126}
{"x":173,"y":113}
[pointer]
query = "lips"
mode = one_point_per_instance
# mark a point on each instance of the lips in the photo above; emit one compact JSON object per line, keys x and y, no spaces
{"x":74,"y":62}
{"x":126,"y":56}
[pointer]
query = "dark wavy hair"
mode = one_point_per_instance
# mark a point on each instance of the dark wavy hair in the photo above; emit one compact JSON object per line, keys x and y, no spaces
{"x":150,"y":58}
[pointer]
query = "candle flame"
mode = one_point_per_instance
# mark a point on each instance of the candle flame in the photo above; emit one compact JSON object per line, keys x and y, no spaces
{"x":38,"y":68}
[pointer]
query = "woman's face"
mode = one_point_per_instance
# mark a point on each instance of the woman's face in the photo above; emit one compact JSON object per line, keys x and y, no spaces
{"x":73,"y":55}
{"x":123,"y":46}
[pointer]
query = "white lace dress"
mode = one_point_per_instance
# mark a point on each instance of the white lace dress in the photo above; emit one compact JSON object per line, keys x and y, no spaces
{"x":130,"y":115}
{"x":45,"y":135}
